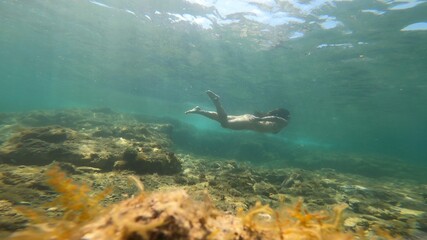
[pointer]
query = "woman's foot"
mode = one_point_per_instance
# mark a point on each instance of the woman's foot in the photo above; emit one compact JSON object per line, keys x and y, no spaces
{"x":193,"y":110}
{"x":212,"y":95}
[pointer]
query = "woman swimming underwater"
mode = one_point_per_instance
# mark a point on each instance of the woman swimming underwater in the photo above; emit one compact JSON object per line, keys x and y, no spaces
{"x":270,"y":122}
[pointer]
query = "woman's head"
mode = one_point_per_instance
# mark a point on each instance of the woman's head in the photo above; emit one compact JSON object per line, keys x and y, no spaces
{"x":280,"y":112}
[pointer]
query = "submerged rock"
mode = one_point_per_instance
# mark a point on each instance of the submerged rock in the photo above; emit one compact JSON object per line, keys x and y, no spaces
{"x":263,"y":188}
{"x":98,"y":139}
{"x":42,"y":145}
{"x":156,"y":161}
{"x":11,"y":219}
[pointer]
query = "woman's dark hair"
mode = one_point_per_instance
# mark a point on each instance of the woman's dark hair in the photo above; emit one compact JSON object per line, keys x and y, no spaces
{"x":279,"y":112}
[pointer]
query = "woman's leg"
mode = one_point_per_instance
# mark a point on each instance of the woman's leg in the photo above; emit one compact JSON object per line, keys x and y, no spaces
{"x":222,"y":115}
{"x":208,"y":114}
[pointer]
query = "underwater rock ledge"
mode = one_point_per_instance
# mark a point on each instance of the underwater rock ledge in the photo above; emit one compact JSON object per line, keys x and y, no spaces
{"x":94,"y":138}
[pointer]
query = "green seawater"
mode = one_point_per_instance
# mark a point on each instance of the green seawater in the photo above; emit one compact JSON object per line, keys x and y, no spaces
{"x":352,"y":73}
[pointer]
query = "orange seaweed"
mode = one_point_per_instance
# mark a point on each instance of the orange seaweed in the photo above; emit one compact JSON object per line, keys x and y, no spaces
{"x":78,"y":205}
{"x":294,"y":223}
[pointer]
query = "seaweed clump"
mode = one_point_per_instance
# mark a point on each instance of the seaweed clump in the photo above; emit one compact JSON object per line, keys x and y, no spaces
{"x":76,"y":202}
{"x":173,"y":215}
{"x":263,"y":222}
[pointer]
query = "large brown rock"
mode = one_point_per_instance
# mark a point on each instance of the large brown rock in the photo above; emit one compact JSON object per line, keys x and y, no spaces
{"x":100,"y":139}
